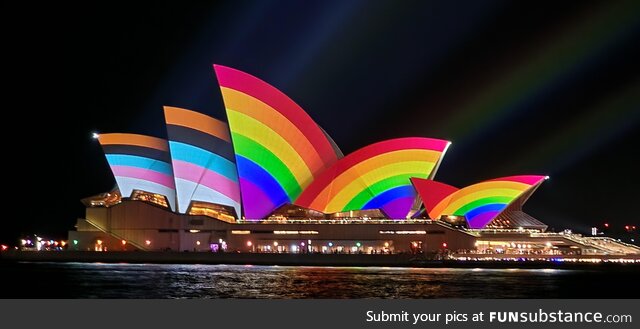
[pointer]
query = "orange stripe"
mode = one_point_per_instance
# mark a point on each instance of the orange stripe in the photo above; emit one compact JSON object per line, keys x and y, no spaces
{"x":134,"y":139}
{"x":197,"y":121}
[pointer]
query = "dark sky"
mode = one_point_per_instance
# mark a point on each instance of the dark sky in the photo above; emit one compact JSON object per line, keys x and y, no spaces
{"x":519,"y":87}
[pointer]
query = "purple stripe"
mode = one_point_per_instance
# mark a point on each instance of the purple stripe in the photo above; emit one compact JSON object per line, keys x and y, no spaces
{"x":398,"y":208}
{"x":144,"y":174}
{"x":483,"y":219}
{"x":261,"y":204}
{"x":206,"y":177}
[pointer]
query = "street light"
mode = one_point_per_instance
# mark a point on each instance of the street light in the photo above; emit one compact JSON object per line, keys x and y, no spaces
{"x":95,"y":135}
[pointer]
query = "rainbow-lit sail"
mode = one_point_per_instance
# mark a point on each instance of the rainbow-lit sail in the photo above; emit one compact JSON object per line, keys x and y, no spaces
{"x":140,"y":162}
{"x":376,"y":177}
{"x":479,"y":203}
{"x":203,"y":159}
{"x":279,"y":148}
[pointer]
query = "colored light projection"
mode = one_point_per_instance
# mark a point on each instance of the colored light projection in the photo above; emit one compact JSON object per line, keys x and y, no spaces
{"x":479,"y":203}
{"x":279,"y":148}
{"x":203,"y":159}
{"x":376,"y":177}
{"x":140,"y":162}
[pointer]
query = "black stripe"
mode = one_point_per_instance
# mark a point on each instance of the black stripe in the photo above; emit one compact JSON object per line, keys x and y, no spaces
{"x":137,"y":150}
{"x":202,"y":140}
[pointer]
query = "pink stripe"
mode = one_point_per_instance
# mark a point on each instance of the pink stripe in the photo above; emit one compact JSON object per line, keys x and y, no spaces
{"x":206,"y":177}
{"x":250,"y":85}
{"x":525,"y":179}
{"x":144,"y":174}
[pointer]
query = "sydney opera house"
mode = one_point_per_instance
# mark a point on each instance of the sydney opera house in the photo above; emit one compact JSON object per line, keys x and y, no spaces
{"x":272,"y":180}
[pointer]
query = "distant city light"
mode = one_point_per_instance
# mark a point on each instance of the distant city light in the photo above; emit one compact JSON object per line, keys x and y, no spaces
{"x":99,"y":242}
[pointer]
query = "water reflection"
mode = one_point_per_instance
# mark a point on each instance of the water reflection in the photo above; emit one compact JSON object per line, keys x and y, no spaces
{"x":80,"y":280}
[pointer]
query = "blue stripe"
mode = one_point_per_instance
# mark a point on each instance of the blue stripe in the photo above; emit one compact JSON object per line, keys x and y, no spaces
{"x":389,"y":195}
{"x":139,"y":162}
{"x":203,"y":158}
{"x":489,"y":207}
{"x":252,"y":172}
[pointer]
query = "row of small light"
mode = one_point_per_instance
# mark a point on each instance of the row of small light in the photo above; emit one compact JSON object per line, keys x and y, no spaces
{"x":627,"y":228}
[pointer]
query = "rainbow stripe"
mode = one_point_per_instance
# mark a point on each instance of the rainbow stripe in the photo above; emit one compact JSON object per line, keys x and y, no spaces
{"x":140,"y":162}
{"x":376,"y":177}
{"x":202,"y":158}
{"x":479,"y":203}
{"x":279,"y":148}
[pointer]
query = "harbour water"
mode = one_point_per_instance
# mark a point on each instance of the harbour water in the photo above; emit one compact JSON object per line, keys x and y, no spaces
{"x":98,"y":280}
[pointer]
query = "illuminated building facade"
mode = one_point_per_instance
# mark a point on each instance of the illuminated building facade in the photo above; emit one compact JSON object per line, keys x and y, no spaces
{"x":273,"y":180}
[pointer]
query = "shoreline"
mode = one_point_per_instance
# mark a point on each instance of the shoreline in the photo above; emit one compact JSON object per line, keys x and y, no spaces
{"x":283,"y":259}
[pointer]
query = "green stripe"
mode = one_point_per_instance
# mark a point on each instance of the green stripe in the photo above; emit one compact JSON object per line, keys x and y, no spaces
{"x":481,"y":202}
{"x":381,"y":186}
{"x":257,"y":153}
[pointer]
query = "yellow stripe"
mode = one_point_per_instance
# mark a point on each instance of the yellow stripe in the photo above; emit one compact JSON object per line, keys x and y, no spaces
{"x":243,"y":103}
{"x":353,"y":174}
{"x":265,"y":136}
{"x":366,"y":179}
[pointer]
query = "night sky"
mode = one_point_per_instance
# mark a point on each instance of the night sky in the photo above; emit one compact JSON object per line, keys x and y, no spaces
{"x":519,"y":87}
